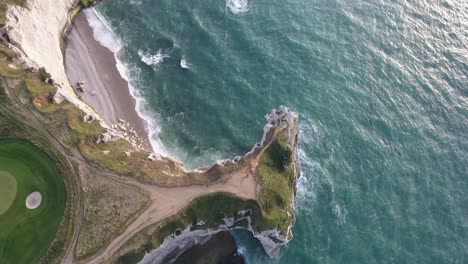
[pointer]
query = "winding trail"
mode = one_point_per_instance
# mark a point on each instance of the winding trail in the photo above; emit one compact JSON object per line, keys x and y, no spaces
{"x":166,"y":202}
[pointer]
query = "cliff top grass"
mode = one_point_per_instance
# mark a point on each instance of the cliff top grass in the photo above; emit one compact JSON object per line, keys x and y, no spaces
{"x":3,"y":93}
{"x":275,"y":175}
{"x":110,"y":207}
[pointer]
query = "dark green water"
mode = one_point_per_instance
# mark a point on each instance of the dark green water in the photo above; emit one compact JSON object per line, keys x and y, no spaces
{"x":382,"y":92}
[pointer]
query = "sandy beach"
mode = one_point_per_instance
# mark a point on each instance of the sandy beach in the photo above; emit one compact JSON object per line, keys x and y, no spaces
{"x":105,"y":90}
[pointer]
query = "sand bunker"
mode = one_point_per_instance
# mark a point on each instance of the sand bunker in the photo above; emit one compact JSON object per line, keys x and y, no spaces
{"x":34,"y":200}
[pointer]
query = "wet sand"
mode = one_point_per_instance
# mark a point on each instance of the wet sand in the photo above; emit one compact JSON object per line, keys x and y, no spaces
{"x":105,"y":90}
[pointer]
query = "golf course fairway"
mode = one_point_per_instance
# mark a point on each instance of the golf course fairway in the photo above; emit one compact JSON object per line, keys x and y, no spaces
{"x":25,"y":234}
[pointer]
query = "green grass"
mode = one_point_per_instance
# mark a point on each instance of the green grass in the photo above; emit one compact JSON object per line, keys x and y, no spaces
{"x":25,"y":235}
{"x":8,"y":53}
{"x":36,"y":85}
{"x":3,"y":94}
{"x":8,"y":188}
{"x":6,"y":70}
{"x":276,"y":178}
{"x":88,"y":3}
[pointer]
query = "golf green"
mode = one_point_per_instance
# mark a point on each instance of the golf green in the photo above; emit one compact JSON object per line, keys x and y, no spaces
{"x":7,"y":191}
{"x":25,"y":234}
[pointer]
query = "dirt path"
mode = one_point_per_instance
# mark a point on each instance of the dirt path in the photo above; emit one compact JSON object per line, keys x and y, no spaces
{"x":166,"y":202}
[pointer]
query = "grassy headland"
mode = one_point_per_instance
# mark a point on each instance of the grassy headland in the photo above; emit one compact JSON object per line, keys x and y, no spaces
{"x":276,"y":177}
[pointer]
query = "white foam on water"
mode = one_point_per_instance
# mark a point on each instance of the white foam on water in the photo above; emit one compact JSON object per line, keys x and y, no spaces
{"x":152,"y":59}
{"x":238,"y":6}
{"x":241,"y":250}
{"x":307,"y":182}
{"x":340,"y":212}
{"x":313,"y":175}
{"x":184,"y":64}
{"x":103,"y":33}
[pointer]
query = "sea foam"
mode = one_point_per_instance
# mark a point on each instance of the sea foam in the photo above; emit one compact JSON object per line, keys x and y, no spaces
{"x":310,"y":169}
{"x":103,"y":33}
{"x":101,"y":30}
{"x":238,"y":6}
{"x":152,"y":59}
{"x":184,"y":64}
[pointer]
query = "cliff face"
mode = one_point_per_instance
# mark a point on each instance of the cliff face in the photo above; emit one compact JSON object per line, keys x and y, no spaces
{"x":35,"y":32}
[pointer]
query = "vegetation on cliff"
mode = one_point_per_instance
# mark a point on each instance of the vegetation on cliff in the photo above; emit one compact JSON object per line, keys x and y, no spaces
{"x":276,"y":178}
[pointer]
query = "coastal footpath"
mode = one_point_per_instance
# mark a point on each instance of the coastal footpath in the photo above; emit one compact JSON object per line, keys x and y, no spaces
{"x":123,"y":199}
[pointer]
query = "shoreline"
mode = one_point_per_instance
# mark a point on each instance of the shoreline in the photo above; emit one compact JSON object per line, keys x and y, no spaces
{"x":105,"y":90}
{"x":101,"y":69}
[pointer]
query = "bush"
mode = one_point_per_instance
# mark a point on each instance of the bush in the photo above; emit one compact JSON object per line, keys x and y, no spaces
{"x":43,"y":74}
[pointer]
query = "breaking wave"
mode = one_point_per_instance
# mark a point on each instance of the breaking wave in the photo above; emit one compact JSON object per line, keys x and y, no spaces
{"x":307,"y":182}
{"x":184,"y":64}
{"x":101,"y":30}
{"x":238,"y":6}
{"x":152,"y":59}
{"x":103,"y":33}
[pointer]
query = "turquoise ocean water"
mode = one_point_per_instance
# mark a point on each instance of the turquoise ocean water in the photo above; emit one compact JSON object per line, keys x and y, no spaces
{"x":381,"y":87}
